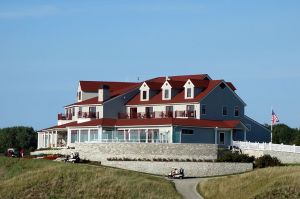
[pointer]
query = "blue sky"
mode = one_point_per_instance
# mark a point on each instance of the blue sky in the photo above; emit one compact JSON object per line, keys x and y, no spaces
{"x":46,"y":47}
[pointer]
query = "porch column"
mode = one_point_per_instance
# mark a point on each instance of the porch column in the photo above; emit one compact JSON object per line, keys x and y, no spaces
{"x":89,"y":135}
{"x":48,"y":140}
{"x":79,"y":132}
{"x":100,"y":134}
{"x":68,"y":137}
{"x":129,"y":135}
{"x":216,"y":135}
{"x":55,"y":141}
{"x":139,"y":135}
{"x":245,"y":135}
{"x":124,"y":134}
{"x":44,"y":140}
{"x":231,"y":132}
{"x":146,"y":135}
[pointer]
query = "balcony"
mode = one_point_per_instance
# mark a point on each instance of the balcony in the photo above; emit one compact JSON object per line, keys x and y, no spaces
{"x":92,"y":115}
{"x":158,"y":114}
{"x":61,"y":116}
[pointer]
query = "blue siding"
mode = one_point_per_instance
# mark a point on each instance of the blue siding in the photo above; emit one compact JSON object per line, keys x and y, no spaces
{"x":217,"y":99}
{"x":238,"y":135}
{"x":201,"y":135}
{"x":257,"y":133}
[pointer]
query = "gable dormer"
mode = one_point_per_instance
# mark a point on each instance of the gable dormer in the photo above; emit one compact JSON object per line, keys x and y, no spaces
{"x":79,"y":93}
{"x":144,"y":92}
{"x":189,"y":89}
{"x":166,"y":91}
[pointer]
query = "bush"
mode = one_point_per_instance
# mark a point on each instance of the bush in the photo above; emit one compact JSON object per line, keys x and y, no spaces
{"x":266,"y":161}
{"x":228,"y":156}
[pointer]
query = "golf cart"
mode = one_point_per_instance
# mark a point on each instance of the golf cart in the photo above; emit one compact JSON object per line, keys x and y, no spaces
{"x":11,"y":152}
{"x":176,"y":173}
{"x":73,"y":158}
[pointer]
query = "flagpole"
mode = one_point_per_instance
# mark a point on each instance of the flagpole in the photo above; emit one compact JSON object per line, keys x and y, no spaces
{"x":271,"y":123}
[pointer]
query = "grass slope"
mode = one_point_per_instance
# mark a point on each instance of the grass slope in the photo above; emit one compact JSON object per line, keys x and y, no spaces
{"x":268,"y":183}
{"x":21,"y":178}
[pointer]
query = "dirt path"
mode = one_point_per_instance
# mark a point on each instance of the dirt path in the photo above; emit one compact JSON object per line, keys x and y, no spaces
{"x":187,"y":187}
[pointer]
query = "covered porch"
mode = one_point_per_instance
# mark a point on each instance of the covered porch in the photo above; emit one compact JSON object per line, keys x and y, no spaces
{"x":52,"y":138}
{"x":105,"y":134}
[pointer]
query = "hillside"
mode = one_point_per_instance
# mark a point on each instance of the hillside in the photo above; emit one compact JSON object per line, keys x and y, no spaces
{"x":24,"y":178}
{"x":268,"y":183}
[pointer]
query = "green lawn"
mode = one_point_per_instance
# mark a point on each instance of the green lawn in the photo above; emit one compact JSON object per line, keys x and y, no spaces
{"x":268,"y":183}
{"x":24,"y":178}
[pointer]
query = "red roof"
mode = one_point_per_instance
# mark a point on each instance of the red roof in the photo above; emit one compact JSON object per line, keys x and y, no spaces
{"x":146,"y":122}
{"x":180,"y":122}
{"x":179,"y":98}
{"x":113,"y":94}
{"x":93,"y":86}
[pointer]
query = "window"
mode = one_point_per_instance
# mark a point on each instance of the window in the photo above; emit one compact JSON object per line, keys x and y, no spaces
{"x":79,"y":95}
{"x":190,"y":107}
{"x":187,"y":131}
{"x":236,"y":111}
{"x":74,"y":136}
{"x":188,"y":92}
{"x":224,"y":111}
{"x":144,"y":95}
{"x":94,"y":135}
{"x":73,"y":111}
{"x":84,"y":136}
{"x":203,"y":109}
{"x":166,"y":93}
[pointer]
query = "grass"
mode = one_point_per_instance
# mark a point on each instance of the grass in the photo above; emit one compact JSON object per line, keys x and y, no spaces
{"x":267,"y":183}
{"x":25,"y":178}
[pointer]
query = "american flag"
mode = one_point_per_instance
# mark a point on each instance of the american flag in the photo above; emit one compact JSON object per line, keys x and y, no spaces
{"x":275,"y":119}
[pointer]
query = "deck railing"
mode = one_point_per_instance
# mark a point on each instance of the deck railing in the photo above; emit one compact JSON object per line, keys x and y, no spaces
{"x":158,"y":114}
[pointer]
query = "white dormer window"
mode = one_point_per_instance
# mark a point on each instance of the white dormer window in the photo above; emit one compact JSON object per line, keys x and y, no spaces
{"x":144,"y":92}
{"x":189,"y":89}
{"x":166,"y":91}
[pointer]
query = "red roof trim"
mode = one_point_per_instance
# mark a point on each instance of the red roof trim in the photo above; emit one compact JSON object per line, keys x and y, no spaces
{"x":153,"y":122}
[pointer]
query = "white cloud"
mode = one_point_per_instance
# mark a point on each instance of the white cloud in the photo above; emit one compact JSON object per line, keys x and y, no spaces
{"x":36,"y":11}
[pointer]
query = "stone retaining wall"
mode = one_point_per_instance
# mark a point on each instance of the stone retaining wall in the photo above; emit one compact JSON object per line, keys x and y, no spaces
{"x":191,"y":169}
{"x":102,"y":151}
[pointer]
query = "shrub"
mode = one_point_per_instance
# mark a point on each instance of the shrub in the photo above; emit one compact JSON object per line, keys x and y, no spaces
{"x":267,"y":161}
{"x":228,"y":156}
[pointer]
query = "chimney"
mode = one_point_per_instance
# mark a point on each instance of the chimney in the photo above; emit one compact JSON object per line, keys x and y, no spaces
{"x":103,"y":93}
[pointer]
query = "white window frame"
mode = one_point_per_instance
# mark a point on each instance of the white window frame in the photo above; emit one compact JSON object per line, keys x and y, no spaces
{"x":169,"y":94}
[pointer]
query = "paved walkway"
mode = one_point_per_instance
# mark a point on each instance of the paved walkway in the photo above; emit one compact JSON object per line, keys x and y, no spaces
{"x":187,"y":187}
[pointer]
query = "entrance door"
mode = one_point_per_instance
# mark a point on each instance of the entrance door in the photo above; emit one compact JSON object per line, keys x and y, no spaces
{"x":149,"y":112}
{"x":221,"y":138}
{"x":133,"y":112}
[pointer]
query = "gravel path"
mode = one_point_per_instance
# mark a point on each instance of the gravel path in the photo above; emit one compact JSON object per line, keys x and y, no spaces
{"x":187,"y":187}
